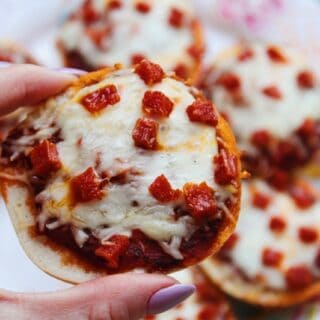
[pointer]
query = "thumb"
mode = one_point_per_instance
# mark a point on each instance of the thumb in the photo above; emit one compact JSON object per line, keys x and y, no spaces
{"x":27,"y":84}
{"x":119,"y":297}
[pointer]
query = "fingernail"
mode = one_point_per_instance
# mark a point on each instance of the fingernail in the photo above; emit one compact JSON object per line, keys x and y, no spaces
{"x":167,"y":298}
{"x":72,"y":71}
{"x":76,"y":72}
{"x":5,"y":64}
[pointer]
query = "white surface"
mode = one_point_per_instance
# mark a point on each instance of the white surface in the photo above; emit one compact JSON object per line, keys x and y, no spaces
{"x":34,"y":25}
{"x":17,"y":272}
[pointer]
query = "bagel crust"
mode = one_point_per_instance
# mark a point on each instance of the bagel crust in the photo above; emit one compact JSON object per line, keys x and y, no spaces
{"x":128,"y":169}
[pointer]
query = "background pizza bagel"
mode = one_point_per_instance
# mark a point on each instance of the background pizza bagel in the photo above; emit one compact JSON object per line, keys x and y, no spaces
{"x":273,"y":257}
{"x":271,"y":98}
{"x":100,"y":33}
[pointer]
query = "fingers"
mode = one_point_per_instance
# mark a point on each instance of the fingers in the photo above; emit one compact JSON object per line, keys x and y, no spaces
{"x":119,"y":297}
{"x":27,"y":85}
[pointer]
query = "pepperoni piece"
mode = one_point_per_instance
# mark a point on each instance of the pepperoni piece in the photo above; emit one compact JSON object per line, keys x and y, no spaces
{"x":298,"y":277}
{"x":231,"y":242}
{"x":306,"y":80}
{"x":143,"y":7}
{"x":181,"y":70}
{"x":200,"y":200}
{"x":202,"y":111}
{"x":288,"y":153}
{"x":137,"y":58}
{"x":155,"y":103}
{"x":225,"y":167}
{"x":277,"y":224}
{"x":308,"y":128}
{"x":279,"y":179}
{"x":261,"y":200}
{"x":86,"y":187}
{"x":162,"y":191}
{"x":145,"y":134}
{"x":276,"y":55}
{"x":302,"y":196}
{"x":112,"y":250}
{"x":97,"y":35}
{"x":149,"y":72}
{"x":115,"y":4}
{"x":101,"y":98}
{"x":195,"y":51}
{"x":229,"y":81}
{"x":271,"y":258}
{"x":45,"y":158}
{"x":308,"y":235}
{"x":245,"y":55}
{"x":176,"y":18}
{"x":89,"y":14}
{"x":261,"y":138}
{"x":272,"y":92}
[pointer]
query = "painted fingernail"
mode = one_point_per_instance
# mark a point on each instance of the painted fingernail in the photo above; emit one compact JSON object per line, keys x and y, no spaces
{"x":167,"y":298}
{"x":72,"y":71}
{"x":76,"y":72}
{"x":4,"y":64}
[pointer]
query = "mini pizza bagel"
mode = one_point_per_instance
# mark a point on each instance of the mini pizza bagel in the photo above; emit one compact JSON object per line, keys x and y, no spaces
{"x":13,"y":53}
{"x":271,"y":98}
{"x":273,"y":257}
{"x":207,"y":303}
{"x":128,"y":169}
{"x":102,"y":33}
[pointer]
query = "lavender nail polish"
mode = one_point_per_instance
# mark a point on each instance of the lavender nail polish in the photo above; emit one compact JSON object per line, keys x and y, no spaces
{"x":167,"y":298}
{"x":4,"y":64}
{"x":76,"y":72}
{"x":73,"y":71}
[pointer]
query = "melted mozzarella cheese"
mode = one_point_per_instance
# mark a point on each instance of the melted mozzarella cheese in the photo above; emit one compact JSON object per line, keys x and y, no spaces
{"x":186,"y":156}
{"x":134,"y":33}
{"x":44,"y":127}
{"x":280,"y":117}
{"x":247,"y":253}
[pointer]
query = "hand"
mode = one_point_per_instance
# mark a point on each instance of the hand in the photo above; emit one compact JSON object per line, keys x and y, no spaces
{"x":119,"y":297}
